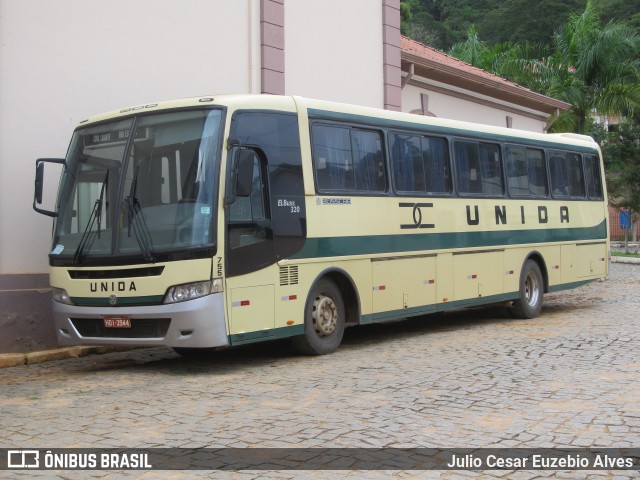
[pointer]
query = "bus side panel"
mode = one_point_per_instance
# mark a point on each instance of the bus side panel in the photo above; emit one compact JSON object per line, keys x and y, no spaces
{"x":478,"y":274}
{"x":552,"y":257}
{"x":593,"y":259}
{"x":567,"y":265}
{"x":250,"y":301}
{"x":513,"y":261}
{"x":444,"y":279}
{"x":403,"y":283}
{"x":251,"y":309}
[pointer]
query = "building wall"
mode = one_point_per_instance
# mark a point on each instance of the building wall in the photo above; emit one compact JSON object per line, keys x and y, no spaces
{"x":470,"y":107}
{"x":338,"y":42}
{"x":63,"y":61}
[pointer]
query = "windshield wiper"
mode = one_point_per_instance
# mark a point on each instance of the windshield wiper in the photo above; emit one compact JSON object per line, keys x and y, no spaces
{"x":138,"y":222}
{"x":89,"y":234}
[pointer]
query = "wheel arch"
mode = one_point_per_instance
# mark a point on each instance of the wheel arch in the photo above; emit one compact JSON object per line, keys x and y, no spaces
{"x":347,"y":288}
{"x":537,"y":257}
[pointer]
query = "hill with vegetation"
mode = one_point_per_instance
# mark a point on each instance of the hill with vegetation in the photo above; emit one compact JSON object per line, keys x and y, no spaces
{"x":443,"y":23}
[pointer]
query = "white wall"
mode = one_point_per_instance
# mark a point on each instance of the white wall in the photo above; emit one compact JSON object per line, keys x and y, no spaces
{"x":446,"y":106}
{"x":333,"y":50}
{"x":64,"y":60}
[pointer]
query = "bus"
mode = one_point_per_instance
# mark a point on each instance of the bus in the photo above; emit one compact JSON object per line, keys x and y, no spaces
{"x":225,"y":220}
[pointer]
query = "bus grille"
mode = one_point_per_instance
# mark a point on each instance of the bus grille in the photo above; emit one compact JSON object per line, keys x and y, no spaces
{"x":125,"y":273}
{"x":289,"y":275}
{"x":140,"y":328}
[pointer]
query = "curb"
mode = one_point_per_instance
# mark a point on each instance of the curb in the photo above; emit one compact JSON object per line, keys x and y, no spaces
{"x":30,"y":358}
{"x":627,"y":260}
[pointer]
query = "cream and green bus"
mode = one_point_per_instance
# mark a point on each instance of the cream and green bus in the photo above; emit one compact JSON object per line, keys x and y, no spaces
{"x":225,"y":220}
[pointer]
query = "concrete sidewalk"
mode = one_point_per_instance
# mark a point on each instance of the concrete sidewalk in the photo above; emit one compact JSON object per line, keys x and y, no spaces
{"x":30,"y":358}
{"x":628,"y":260}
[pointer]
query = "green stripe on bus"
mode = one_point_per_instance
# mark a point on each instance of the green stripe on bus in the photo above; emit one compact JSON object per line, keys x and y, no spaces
{"x":468,"y":302}
{"x":442,"y":130}
{"x":377,"y":244}
{"x":568,"y":286}
{"x":437,"y":307}
{"x":270,"y":334}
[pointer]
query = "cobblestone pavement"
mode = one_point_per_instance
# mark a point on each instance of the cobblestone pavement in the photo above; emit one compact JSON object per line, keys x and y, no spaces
{"x":475,"y":378}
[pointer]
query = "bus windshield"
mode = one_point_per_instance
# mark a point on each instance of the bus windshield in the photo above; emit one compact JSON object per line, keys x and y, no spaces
{"x":143,"y":187}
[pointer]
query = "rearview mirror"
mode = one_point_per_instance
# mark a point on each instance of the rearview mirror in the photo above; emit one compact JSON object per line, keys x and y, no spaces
{"x":39,"y":184}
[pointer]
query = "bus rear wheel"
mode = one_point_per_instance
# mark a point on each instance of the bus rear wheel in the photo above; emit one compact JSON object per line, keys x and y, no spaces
{"x":529,"y":302}
{"x":324,"y":320}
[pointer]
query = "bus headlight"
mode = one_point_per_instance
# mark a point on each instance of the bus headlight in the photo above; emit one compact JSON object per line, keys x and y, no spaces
{"x":191,"y":291}
{"x":60,"y":295}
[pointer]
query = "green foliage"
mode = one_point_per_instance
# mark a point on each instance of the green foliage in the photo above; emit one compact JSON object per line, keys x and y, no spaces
{"x":595,"y":68}
{"x":526,"y":21}
{"x":626,"y":11}
{"x":442,"y":23}
{"x":621,"y":152}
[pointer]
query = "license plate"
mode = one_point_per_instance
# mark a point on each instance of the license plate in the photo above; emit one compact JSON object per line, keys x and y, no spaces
{"x":117,"y":322}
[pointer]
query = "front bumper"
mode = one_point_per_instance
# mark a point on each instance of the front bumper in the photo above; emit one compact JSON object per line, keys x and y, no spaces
{"x":196,"y":323}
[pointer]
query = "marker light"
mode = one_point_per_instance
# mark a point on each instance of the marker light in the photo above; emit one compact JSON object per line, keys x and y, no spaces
{"x":191,"y":291}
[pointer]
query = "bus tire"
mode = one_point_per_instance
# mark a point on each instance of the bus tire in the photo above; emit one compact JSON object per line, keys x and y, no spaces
{"x":324,"y":320}
{"x":529,"y":302}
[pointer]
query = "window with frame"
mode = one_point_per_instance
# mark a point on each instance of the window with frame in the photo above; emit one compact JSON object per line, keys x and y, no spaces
{"x":567,"y":180}
{"x":250,"y":208}
{"x":526,"y":172}
{"x":248,"y":213}
{"x":420,"y":164}
{"x":348,"y":159}
{"x":478,"y":169}
{"x":592,"y":177}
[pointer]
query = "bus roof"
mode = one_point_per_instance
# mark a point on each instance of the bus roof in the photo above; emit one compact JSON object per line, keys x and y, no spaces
{"x":374,"y":116}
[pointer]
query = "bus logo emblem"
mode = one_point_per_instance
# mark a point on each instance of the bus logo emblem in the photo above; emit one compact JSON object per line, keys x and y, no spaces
{"x":417,"y":215}
{"x":113,"y":299}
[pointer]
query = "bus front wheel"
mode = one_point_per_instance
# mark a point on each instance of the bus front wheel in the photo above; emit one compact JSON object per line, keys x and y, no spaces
{"x":529,"y":302}
{"x":324,"y":320}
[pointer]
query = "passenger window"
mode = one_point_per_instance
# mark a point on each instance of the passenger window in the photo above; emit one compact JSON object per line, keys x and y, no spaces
{"x":478,"y":168}
{"x":420,"y":164}
{"x":348,"y":159}
{"x":368,"y":161}
{"x":332,"y":155}
{"x":592,"y":177}
{"x":526,"y":172}
{"x":566,"y":175}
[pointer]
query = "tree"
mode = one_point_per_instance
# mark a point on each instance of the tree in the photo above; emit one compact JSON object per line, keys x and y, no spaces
{"x":499,"y":58}
{"x":594,"y":68}
{"x":472,"y":51}
{"x":626,"y":11}
{"x":524,"y":21}
{"x":621,"y":153}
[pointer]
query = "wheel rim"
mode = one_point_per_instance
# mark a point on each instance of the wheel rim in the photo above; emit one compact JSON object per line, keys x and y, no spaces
{"x":325,"y":315}
{"x":531,"y":289}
